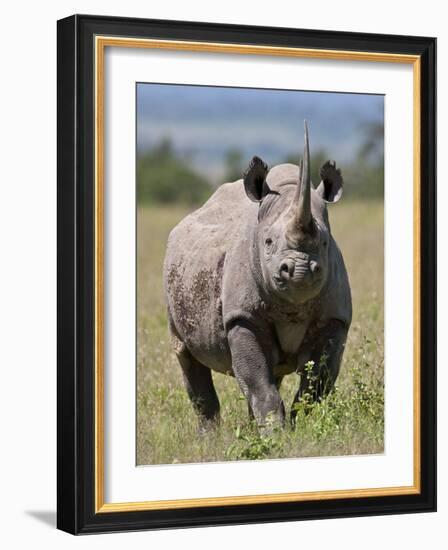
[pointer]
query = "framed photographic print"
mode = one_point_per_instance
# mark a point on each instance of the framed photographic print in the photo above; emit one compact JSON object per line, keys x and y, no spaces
{"x":246,"y":274}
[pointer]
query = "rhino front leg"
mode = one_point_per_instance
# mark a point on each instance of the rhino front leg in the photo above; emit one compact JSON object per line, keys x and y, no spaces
{"x":326,"y":354}
{"x":278,"y":383}
{"x":253,"y":370}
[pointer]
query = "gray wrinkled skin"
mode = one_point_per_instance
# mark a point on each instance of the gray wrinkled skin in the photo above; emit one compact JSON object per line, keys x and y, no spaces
{"x":256,"y":286}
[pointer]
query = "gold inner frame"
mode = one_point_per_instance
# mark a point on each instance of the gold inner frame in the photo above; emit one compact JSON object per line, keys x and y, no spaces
{"x":101,"y":42}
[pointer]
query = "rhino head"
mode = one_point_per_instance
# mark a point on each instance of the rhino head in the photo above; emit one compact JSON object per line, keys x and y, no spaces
{"x":292,"y":236}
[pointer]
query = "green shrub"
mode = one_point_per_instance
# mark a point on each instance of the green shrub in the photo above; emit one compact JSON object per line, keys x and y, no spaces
{"x":164,"y":177}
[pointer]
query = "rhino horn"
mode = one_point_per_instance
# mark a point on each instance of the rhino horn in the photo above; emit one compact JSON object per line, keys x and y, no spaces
{"x":301,"y":219}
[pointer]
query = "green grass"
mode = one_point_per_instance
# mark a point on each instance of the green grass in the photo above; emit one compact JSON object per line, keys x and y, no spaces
{"x":349,"y":421}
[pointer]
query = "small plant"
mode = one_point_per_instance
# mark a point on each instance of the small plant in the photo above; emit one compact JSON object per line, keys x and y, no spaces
{"x":252,"y":444}
{"x":359,"y":408}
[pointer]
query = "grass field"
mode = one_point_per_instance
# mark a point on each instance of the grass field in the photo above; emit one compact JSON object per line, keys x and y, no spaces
{"x":350,"y":421}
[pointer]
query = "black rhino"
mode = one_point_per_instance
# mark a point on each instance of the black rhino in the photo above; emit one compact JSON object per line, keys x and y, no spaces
{"x":256,"y":287}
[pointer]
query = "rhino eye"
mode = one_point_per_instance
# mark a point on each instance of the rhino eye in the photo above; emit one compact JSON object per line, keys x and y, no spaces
{"x":268,"y":241}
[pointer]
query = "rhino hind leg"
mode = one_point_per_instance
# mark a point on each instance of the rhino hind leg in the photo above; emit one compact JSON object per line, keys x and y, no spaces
{"x":326,"y":355}
{"x":201,"y":391}
{"x":198,"y":381}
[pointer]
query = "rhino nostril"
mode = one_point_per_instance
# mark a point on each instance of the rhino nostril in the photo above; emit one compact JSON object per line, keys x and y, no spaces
{"x":315,"y":268}
{"x":286,"y":268}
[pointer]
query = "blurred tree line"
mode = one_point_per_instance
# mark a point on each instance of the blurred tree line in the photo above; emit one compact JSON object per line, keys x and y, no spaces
{"x":163,"y":176}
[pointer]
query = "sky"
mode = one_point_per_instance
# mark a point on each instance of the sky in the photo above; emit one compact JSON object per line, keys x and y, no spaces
{"x":204,"y":122}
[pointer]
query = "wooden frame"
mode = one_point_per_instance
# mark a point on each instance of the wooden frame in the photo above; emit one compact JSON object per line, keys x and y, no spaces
{"x":81,"y":44}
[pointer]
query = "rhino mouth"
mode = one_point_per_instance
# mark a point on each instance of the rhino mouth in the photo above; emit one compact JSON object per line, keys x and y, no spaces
{"x":296,"y":282}
{"x":279,"y":282}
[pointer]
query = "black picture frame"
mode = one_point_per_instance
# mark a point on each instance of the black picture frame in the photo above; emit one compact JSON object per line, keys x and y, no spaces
{"x":76,"y":255}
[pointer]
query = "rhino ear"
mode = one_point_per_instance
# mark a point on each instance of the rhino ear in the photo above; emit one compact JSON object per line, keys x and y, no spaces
{"x":331,"y":186}
{"x":255,"y":180}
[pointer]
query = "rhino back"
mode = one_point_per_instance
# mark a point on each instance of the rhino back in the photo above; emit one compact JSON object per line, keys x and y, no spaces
{"x":193,"y":273}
